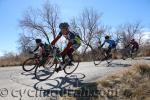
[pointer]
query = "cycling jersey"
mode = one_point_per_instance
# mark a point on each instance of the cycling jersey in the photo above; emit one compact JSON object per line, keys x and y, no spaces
{"x":70,"y":36}
{"x":74,"y":41}
{"x":110,"y":42}
{"x":135,"y":46}
{"x":40,"y":48}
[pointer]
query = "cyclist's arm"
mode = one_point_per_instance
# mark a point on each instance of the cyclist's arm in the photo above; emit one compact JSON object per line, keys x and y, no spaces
{"x":56,"y":39}
{"x":66,"y":49}
{"x":36,"y":49}
{"x":102,"y":44}
{"x":40,"y":51}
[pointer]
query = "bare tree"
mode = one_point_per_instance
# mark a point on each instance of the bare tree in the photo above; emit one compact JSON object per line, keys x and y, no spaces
{"x":50,"y":15}
{"x":88,"y":26}
{"x":25,"y":43}
{"x":129,"y":31}
{"x":41,"y":22}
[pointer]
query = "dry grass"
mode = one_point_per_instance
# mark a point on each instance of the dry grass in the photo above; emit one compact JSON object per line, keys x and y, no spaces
{"x":143,"y":69}
{"x":145,"y":51}
{"x":133,"y":84}
{"x":12,"y":60}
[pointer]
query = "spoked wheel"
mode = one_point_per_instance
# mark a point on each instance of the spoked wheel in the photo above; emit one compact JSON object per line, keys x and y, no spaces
{"x":110,"y":57}
{"x":29,"y":64}
{"x":109,"y":60}
{"x":134,"y":54}
{"x":98,"y":57}
{"x":125,"y":54}
{"x":69,"y":69}
{"x":45,"y":71}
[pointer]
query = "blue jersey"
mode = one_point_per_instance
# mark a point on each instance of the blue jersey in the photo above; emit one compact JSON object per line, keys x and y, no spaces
{"x":110,"y":42}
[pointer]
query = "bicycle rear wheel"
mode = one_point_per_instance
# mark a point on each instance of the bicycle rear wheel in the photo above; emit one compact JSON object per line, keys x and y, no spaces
{"x":109,"y":60}
{"x":29,"y":64}
{"x":134,"y":54}
{"x":45,"y":71}
{"x":98,"y":56}
{"x":69,"y":69}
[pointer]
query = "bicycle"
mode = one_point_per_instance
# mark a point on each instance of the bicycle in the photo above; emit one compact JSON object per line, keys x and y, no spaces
{"x":44,"y":72}
{"x":30,"y":63}
{"x":128,"y":53}
{"x":99,"y":55}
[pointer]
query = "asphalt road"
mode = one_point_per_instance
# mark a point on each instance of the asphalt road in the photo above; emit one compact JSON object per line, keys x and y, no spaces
{"x":15,"y":84}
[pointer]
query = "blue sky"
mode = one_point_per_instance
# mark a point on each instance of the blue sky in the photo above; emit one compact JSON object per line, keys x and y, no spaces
{"x":115,"y":12}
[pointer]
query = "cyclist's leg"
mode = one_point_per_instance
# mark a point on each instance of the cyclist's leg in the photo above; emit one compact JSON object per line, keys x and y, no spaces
{"x":43,"y":60}
{"x":63,"y":55}
{"x":133,"y":48}
{"x":71,"y":50}
{"x":65,"y":51}
{"x":108,"y":51}
{"x":136,"y":48}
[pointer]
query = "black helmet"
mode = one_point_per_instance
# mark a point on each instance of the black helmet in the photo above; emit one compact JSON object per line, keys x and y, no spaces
{"x":132,"y":40}
{"x":38,"y":40}
{"x":107,"y":37}
{"x":63,"y":25}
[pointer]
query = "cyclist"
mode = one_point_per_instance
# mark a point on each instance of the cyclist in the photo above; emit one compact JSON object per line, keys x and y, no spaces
{"x":135,"y":46}
{"x":40,"y":47}
{"x":74,"y":42}
{"x":112,"y":44}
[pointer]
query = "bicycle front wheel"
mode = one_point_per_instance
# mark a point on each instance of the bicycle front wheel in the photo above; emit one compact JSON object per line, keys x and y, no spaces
{"x":98,"y":56}
{"x":45,"y":71}
{"x":29,"y":64}
{"x":69,"y":69}
{"x":109,"y":60}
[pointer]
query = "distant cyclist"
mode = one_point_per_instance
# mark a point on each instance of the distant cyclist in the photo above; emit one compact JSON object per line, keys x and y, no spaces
{"x":135,"y":46}
{"x":112,"y":44}
{"x":40,"y":48}
{"x":74,"y":42}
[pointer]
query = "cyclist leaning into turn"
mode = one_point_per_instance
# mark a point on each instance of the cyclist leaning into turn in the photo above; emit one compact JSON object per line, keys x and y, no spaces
{"x":74,"y":42}
{"x":40,"y":48}
{"x":112,"y":44}
{"x":135,"y":46}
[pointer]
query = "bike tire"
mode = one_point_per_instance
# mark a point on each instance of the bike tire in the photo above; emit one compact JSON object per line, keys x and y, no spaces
{"x":97,"y":57}
{"x":109,"y":60}
{"x":75,"y":65}
{"x":27,"y":64}
{"x":47,"y":72}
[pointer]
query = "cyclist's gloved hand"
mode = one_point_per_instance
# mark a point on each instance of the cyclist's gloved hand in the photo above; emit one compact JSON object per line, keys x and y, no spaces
{"x":99,"y":47}
{"x":52,"y":46}
{"x":31,"y":52}
{"x":72,"y":41}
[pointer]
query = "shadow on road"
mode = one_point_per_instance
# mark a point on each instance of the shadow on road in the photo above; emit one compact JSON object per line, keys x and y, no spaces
{"x":69,"y":81}
{"x":147,"y":58}
{"x":118,"y":65}
{"x":27,"y":73}
{"x":61,"y":85}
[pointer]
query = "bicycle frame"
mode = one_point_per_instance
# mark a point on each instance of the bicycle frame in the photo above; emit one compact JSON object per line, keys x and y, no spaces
{"x":55,"y":53}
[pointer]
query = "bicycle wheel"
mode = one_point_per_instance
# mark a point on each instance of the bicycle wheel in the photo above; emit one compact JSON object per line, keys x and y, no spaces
{"x":125,"y":53}
{"x":69,"y":69}
{"x":98,"y":56}
{"x":109,"y":60}
{"x":134,"y":54}
{"x":110,"y":56}
{"x":45,"y":71}
{"x":29,"y":64}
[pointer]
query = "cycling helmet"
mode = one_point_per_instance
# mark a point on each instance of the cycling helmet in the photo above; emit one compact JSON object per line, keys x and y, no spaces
{"x":107,"y":37}
{"x":38,"y":40}
{"x":132,"y":40}
{"x":63,"y":25}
